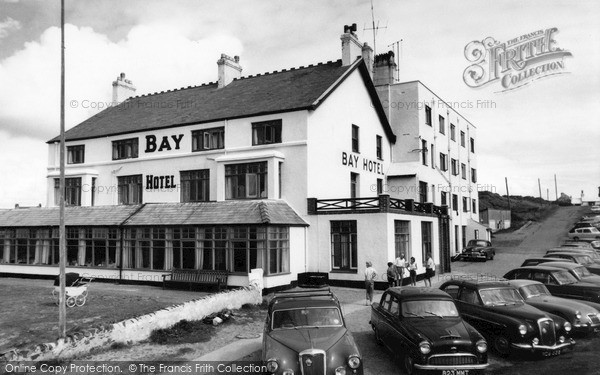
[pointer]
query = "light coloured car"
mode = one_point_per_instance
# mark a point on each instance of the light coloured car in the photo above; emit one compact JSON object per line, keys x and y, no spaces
{"x":591,"y":234}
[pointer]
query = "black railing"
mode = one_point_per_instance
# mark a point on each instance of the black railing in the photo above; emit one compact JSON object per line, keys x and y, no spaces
{"x":382,"y":203}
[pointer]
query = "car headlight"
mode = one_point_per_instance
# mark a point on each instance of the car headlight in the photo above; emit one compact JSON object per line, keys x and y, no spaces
{"x":353,"y":361}
{"x":425,"y":347}
{"x":272,"y":365}
{"x":481,"y":346}
{"x":523,"y":329}
{"x":535,"y":341}
{"x":578,"y":315}
{"x":568,"y":327}
{"x":340,"y":371}
{"x":561,"y":339}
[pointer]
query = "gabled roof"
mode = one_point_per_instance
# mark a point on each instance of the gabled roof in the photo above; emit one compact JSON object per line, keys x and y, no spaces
{"x":155,"y":214}
{"x":304,"y":88}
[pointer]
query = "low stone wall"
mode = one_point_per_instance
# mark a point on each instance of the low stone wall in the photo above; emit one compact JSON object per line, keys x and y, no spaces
{"x":135,"y":329}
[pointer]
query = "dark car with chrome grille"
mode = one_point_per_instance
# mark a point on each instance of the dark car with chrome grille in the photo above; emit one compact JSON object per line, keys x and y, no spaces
{"x":497,"y":310}
{"x":305,"y":334}
{"x":423,"y":329}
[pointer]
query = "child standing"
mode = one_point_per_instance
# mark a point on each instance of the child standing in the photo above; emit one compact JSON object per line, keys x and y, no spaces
{"x":429,"y":269}
{"x":370,"y":276}
{"x":412,"y":268}
{"x":391,"y":274}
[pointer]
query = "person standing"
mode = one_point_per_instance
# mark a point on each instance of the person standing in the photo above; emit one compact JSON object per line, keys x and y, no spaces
{"x":400,"y":264}
{"x":429,"y":269}
{"x":370,"y":276}
{"x":391,"y":274}
{"x":412,"y":269}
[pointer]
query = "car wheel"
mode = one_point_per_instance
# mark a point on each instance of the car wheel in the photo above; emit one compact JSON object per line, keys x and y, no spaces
{"x":502,"y":345}
{"x":408,"y":365}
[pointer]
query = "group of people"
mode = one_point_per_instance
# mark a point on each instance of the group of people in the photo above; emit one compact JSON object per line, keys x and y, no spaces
{"x":397,"y":271}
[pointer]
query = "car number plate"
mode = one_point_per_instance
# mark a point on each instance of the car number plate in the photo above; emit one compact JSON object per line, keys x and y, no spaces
{"x":455,"y":372}
{"x":551,"y":353}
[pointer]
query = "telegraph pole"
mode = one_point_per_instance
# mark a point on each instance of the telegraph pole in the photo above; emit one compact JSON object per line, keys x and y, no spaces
{"x":555,"y":188}
{"x":507,"y":193}
{"x":62,"y":308}
{"x":540,"y":187}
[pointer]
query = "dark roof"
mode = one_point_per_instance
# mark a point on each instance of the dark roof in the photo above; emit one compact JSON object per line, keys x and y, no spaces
{"x":518,"y":283}
{"x":200,"y":213}
{"x":563,"y":264}
{"x":482,"y":284}
{"x":209,"y":213}
{"x":418,"y":292}
{"x":542,"y":266}
{"x":304,"y":88}
{"x":74,"y":216}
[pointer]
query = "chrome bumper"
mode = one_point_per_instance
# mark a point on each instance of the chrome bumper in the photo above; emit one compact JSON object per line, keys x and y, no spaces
{"x":450,"y":367}
{"x":534,"y":347}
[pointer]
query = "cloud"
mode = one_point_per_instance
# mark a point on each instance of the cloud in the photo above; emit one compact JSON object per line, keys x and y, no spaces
{"x":7,"y":26}
{"x":155,"y":58}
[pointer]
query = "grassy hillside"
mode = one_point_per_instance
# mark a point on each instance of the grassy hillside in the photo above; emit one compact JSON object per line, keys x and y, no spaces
{"x":523,"y":209}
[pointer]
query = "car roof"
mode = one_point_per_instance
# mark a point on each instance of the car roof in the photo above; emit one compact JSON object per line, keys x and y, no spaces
{"x":480,"y":284}
{"x":571,"y":253}
{"x":564,"y":265}
{"x":542,"y":266}
{"x":524,"y":282}
{"x":411,"y":292}
{"x":572,"y":249}
{"x":544,"y":258}
{"x":303,"y":297}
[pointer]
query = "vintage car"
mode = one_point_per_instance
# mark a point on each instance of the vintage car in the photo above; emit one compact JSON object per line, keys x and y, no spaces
{"x":577,"y":257}
{"x":584,"y":234}
{"x":589,"y":252}
{"x":497,"y":310}
{"x":538,"y":260}
{"x":583,"y":317}
{"x":305,"y":333}
{"x":478,"y":249}
{"x":580,"y":272}
{"x":593,"y":245}
{"x":423,"y":328}
{"x":558,"y":281}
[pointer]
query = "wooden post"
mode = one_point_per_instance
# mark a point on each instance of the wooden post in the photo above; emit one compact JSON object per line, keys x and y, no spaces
{"x":507,"y":193}
{"x":62,"y":308}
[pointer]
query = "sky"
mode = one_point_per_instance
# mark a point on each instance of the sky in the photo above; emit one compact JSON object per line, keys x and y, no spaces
{"x":545,"y":128}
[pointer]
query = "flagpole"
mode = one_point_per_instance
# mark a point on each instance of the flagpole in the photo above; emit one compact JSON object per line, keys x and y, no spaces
{"x":62,"y":309}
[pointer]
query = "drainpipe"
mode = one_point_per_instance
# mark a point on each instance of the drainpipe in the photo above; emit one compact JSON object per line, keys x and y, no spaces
{"x":121,"y":241}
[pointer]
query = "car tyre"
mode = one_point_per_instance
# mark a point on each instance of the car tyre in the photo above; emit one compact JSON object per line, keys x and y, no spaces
{"x":501,"y":345}
{"x":408,"y":365}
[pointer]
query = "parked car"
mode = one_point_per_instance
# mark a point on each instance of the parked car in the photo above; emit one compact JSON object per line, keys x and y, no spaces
{"x":478,"y":249}
{"x":497,"y":310}
{"x":536,"y":261}
{"x":578,"y":250}
{"x":305,"y":333}
{"x":423,"y":327}
{"x":558,"y":281}
{"x":580,"y":272}
{"x":581,"y":244}
{"x":595,"y":208}
{"x":579,"y":258}
{"x":585,"y":233}
{"x":583,"y":318}
{"x":582,"y":224}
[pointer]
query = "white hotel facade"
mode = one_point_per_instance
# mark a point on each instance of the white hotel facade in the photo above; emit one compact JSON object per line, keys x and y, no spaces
{"x":288,"y":171}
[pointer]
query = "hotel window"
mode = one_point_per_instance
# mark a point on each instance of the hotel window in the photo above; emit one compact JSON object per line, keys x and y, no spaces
{"x":424,"y":151}
{"x":462,"y":138}
{"x":432,"y":156}
{"x":428,"y":115}
{"x":379,"y":186}
{"x":473,"y":175}
{"x":444,"y":198}
{"x":355,"y":139}
{"x":354,"y":181}
{"x":130,"y":189}
{"x":453,"y":132}
{"x":463,"y":171}
{"x":442,"y":125}
{"x":343,"y":245}
{"x":184,"y":247}
{"x":246,"y":181}
{"x":378,"y":148}
{"x":402,"y":238}
{"x":455,"y":202}
{"x":278,"y":257}
{"x":125,"y":149}
{"x":465,"y":204}
{"x":266,"y":132}
{"x":208,"y":139}
{"x":472,"y":143}
{"x":464,"y":235}
{"x":195,"y":185}
{"x":454,"y":167}
{"x":474,"y":205}
{"x":101,"y":245}
{"x":94,"y":191}
{"x":443,"y":162}
{"x":76,"y":154}
{"x":422,"y":191}
{"x":72,"y":191}
{"x":426,"y":239}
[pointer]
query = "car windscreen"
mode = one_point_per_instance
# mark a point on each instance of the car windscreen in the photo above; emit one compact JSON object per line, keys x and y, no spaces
{"x":582,"y":271}
{"x":583,"y":259}
{"x":307,"y":317}
{"x":533,"y":290}
{"x":500,"y":297}
{"x":564,"y":277}
{"x":429,"y":308}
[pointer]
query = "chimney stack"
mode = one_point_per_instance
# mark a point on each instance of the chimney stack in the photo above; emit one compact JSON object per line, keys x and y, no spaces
{"x":385,"y":72}
{"x":367,"y":55}
{"x":229,"y":69}
{"x":351,"y":47}
{"x":122,"y":89}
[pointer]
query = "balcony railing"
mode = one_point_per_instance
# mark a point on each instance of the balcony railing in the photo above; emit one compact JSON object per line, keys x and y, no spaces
{"x":382,"y":203}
